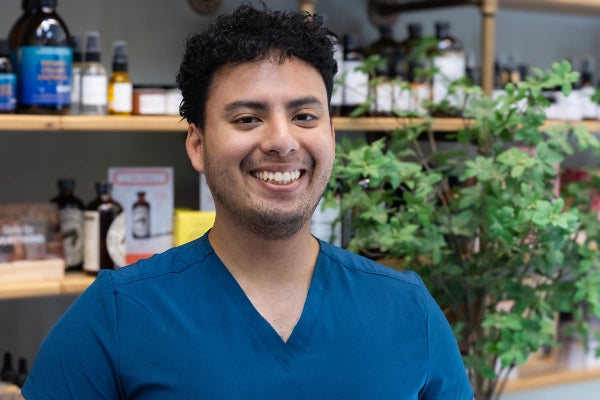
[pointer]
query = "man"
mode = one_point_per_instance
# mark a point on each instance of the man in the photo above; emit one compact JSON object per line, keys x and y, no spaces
{"x":257,"y":308}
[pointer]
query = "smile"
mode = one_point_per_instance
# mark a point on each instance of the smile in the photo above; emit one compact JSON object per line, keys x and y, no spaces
{"x":278,"y":178}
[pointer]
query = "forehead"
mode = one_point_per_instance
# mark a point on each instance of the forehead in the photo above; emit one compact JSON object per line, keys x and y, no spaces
{"x":270,"y":77}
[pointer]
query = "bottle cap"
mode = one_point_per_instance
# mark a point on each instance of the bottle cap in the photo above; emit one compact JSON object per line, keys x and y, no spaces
{"x":120,"y":56}
{"x":4,"y":51}
{"x":103,"y":187}
{"x":76,"y":46}
{"x":48,"y":3}
{"x":66,"y":184}
{"x":92,"y":46}
{"x":415,"y":30}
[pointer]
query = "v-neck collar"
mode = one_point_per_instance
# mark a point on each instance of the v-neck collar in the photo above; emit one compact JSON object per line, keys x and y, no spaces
{"x":263,"y":328}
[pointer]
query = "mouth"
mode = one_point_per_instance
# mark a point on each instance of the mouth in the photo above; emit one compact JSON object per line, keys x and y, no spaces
{"x":278,"y":178}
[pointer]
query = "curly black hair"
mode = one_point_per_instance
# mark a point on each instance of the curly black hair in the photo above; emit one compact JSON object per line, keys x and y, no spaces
{"x":246,"y":35}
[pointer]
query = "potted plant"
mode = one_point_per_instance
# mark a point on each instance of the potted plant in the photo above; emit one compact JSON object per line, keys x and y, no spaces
{"x":478,"y":215}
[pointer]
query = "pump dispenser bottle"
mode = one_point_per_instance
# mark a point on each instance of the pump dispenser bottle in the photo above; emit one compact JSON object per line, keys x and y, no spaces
{"x":93,"y":78}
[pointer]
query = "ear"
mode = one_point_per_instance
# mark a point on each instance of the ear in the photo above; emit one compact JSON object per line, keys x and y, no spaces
{"x":194,"y":145}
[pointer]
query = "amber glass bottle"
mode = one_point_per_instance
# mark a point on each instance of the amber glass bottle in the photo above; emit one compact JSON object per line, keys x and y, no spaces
{"x":104,"y":231}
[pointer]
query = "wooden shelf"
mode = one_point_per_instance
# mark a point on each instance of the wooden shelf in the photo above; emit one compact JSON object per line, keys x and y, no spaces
{"x":72,"y":283}
{"x":560,"y":376}
{"x":167,"y":123}
{"x":583,"y":7}
{"x":84,"y":123}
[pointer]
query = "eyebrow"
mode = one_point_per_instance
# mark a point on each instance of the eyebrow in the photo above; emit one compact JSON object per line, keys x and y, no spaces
{"x":263,"y":106}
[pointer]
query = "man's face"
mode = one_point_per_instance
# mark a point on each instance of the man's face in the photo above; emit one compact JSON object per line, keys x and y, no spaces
{"x":267,"y":147}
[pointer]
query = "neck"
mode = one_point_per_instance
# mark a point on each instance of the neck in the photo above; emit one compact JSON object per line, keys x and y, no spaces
{"x":256,"y":260}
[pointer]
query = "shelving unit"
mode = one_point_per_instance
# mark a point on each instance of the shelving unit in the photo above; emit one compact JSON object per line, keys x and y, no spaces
{"x":73,"y":283}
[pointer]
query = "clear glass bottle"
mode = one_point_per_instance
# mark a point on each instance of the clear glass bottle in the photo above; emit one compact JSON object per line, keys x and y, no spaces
{"x":44,"y":70}
{"x":120,"y":88}
{"x":104,"y":231}
{"x":8,"y":81}
{"x":76,"y":75}
{"x":70,"y":212}
{"x":94,"y":81}
{"x":140,"y":217}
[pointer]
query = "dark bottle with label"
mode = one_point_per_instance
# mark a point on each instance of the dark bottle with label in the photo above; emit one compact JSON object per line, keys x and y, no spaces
{"x":8,"y":373}
{"x":22,"y":372}
{"x":14,"y":37}
{"x":449,"y":61}
{"x":70,"y":211}
{"x":8,"y":81}
{"x":45,"y":63}
{"x":356,"y":81}
{"x":389,"y":50}
{"x":104,"y":231}
{"x":141,"y":217}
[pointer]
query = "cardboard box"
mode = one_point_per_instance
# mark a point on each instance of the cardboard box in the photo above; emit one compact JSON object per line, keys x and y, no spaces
{"x":147,"y":197}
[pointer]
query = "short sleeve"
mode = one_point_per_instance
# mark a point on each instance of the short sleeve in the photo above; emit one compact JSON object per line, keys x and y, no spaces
{"x":447,"y":376}
{"x":78,"y":358}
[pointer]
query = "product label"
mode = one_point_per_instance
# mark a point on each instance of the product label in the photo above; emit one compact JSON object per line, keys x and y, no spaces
{"x":115,"y":240}
{"x":140,"y":224}
{"x":91,"y":241}
{"x":122,"y":97}
{"x":356,"y":84}
{"x":451,"y":67}
{"x":94,"y":90}
{"x":45,"y":75}
{"x":152,"y":104}
{"x":71,"y":227}
{"x":8,"y":92}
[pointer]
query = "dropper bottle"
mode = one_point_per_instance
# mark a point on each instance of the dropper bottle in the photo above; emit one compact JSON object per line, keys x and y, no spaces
{"x":93,"y":78}
{"x":120,"y":89}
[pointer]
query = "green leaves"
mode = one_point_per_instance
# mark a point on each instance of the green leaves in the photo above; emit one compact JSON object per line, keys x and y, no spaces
{"x":480,"y":219}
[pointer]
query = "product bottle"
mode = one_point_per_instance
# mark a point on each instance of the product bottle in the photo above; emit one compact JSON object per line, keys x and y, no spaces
{"x":338,"y":87}
{"x":414,"y":63}
{"x":120,"y":89}
{"x":70,"y":211}
{"x":8,"y":373}
{"x":590,"y":108}
{"x":449,"y":62}
{"x":104,"y":231}
{"x":389,"y":49}
{"x":76,"y":75}
{"x":44,"y":69}
{"x":141,"y":217}
{"x":94,"y":81}
{"x":28,"y":7}
{"x":356,"y":82}
{"x":22,"y":372}
{"x":8,"y":81}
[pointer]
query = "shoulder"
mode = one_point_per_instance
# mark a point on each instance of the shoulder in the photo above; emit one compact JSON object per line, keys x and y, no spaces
{"x":173,"y":261}
{"x":366,"y":272}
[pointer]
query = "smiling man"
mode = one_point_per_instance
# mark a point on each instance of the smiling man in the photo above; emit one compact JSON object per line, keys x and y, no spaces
{"x":257,"y":308}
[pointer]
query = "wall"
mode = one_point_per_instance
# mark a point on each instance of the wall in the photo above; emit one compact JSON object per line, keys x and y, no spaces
{"x":30,"y":162}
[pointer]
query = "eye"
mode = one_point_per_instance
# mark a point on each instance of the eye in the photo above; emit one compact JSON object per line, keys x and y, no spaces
{"x":305,"y":117}
{"x":246,"y":121}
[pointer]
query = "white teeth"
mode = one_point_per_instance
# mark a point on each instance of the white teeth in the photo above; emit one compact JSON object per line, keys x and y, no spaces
{"x":278,"y":178}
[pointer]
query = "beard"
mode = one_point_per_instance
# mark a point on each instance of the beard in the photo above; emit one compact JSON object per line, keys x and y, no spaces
{"x":259,"y":217}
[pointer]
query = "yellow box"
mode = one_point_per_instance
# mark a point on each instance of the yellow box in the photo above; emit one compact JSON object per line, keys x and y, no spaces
{"x":190,"y":224}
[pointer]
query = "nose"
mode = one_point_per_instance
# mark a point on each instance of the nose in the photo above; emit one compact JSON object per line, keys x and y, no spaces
{"x":280,"y":137}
